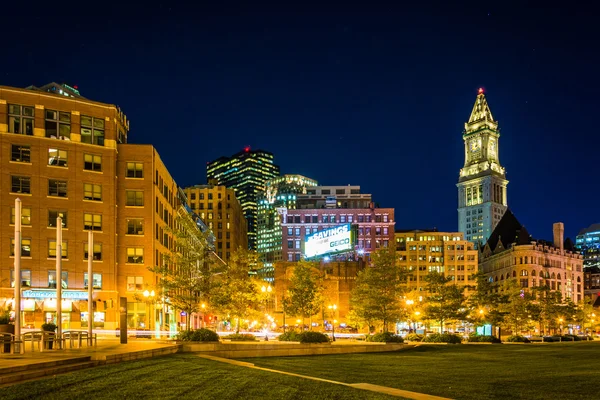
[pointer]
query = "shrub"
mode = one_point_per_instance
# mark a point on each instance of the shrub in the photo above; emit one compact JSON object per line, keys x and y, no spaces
{"x":483,"y":339}
{"x":414,"y":337}
{"x":313,"y":337}
{"x":517,"y":338}
{"x":443,"y":338}
{"x":571,"y":338}
{"x":4,"y":316}
{"x":289,"y":336}
{"x":198,"y":335}
{"x":241,"y":337}
{"x":386,"y":337}
{"x":49,"y":327}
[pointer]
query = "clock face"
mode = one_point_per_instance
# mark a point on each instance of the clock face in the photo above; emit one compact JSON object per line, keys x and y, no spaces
{"x":475,"y":145}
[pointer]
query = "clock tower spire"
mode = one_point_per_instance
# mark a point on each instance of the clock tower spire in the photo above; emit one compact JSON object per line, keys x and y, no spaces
{"x":482,"y":180}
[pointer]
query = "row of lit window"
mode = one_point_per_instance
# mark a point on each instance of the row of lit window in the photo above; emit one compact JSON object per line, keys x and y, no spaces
{"x":26,"y":279}
{"x":21,"y":120}
{"x":58,"y":158}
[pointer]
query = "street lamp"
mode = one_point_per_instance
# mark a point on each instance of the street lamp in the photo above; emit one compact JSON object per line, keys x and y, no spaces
{"x":149,"y":297}
{"x":333,"y":307}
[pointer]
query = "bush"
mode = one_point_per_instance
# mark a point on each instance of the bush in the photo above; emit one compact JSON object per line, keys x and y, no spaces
{"x":4,"y":316}
{"x":386,"y":337}
{"x":483,"y":339}
{"x":49,"y":327}
{"x":443,"y":338}
{"x":241,"y":337}
{"x":198,"y":335}
{"x":414,"y":337}
{"x":571,"y":338}
{"x":289,"y":336}
{"x":313,"y":337}
{"x":517,"y":338}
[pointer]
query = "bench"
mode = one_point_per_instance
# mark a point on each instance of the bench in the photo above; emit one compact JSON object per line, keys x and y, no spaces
{"x":10,"y":341}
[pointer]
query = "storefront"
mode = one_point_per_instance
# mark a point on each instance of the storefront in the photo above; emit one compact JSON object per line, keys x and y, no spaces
{"x":39,"y":306}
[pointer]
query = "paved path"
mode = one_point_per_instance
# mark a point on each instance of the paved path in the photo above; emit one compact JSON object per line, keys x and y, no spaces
{"x":365,"y":386}
{"x":105,"y":347}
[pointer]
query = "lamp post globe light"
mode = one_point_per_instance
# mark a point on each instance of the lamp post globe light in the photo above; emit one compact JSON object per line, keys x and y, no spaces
{"x":333,"y":307}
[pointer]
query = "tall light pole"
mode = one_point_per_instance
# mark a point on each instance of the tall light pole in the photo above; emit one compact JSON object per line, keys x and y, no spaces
{"x":17,"y":268}
{"x":149,"y":297}
{"x":267,"y":291}
{"x":59,"y":279}
{"x":90,"y":285}
{"x":333,"y":307}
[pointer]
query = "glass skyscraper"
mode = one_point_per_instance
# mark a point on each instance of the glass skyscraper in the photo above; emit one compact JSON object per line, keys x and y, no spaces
{"x":246,"y":172}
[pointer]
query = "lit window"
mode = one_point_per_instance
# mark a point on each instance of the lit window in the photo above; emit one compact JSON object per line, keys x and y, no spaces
{"x":52,"y":215}
{"x":97,"y":280}
{"x":57,"y":124}
{"x":92,"y":130}
{"x":135,"y":170}
{"x":25,"y":216}
{"x":135,"y":198}
{"x":20,"y":119}
{"x":135,"y":255}
{"x":135,"y":283}
{"x":25,"y":247}
{"x":92,"y":162}
{"x":92,"y":192}
{"x":57,"y":157}
{"x":97,"y":255}
{"x":135,"y":226}
{"x":92,"y":222}
{"x":52,"y":249}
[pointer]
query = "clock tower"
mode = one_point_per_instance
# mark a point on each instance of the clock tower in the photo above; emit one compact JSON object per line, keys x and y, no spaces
{"x":482,"y":181}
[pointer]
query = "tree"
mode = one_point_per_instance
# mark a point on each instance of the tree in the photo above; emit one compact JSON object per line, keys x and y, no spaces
{"x":445,"y":300}
{"x":235,"y":293}
{"x":304,"y":291}
{"x":519,"y":307}
{"x":549,"y":307}
{"x":485,"y":304}
{"x":185,"y":274}
{"x":586,"y":314}
{"x":378,"y":291}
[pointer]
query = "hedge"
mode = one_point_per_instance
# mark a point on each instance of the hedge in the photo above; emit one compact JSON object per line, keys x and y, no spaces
{"x":198,"y":335}
{"x":386,"y":337}
{"x":443,"y":338}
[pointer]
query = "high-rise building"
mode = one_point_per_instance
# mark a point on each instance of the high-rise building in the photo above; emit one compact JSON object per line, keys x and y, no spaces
{"x":588,"y":244}
{"x":482,"y":182}
{"x":512,"y":254}
{"x":246,"y":172}
{"x":220,"y":210}
{"x":64,"y":155}
{"x":422,"y":252}
{"x":280,"y":193}
{"x":370,"y":228}
{"x":334,"y":197}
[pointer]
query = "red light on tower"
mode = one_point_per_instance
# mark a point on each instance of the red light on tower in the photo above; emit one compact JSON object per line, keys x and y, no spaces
{"x":480,"y":91}
{"x":247,"y":149}
{"x":76,"y":87}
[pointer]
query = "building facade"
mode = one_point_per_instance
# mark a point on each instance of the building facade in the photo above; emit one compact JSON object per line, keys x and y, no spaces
{"x":421,"y":252}
{"x":64,"y":155}
{"x":374,"y":228}
{"x":59,"y":157}
{"x":339,"y":279}
{"x":280,"y":193}
{"x":511,"y":254}
{"x":482,"y":183}
{"x":246,"y":172}
{"x":588,"y":244}
{"x":221,"y":211}
{"x":333,"y":197}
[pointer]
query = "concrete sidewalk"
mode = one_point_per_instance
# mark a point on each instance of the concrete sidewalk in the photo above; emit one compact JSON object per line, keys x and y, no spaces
{"x":107,"y":351}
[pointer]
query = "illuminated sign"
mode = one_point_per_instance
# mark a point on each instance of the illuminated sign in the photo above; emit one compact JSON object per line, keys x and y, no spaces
{"x":331,"y":240}
{"x":51,"y":294}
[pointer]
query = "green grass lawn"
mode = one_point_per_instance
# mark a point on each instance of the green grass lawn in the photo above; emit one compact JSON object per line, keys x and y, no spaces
{"x":561,"y":371}
{"x":180,"y":376}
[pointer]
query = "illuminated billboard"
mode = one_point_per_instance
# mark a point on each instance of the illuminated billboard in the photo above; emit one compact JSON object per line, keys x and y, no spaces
{"x":331,"y":240}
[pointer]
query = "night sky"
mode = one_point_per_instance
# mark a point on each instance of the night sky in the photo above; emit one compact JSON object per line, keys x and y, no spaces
{"x":375,"y":97}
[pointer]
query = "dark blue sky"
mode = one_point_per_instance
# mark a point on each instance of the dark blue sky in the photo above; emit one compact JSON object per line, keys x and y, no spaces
{"x":375,"y":97}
